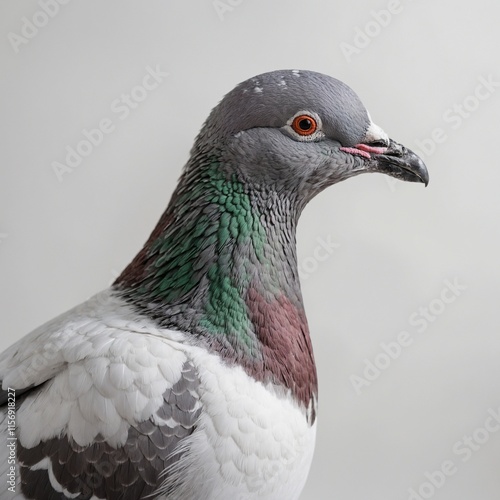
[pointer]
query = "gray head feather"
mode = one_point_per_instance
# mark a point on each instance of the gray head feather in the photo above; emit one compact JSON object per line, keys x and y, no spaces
{"x":270,"y":99}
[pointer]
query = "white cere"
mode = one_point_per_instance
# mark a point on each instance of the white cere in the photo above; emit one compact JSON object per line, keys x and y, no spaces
{"x":375,"y":133}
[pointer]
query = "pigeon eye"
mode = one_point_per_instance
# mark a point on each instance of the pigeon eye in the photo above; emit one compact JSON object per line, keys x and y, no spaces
{"x":304,"y":125}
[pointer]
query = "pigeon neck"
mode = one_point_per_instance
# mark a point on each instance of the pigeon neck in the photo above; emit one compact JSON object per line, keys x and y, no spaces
{"x":221,"y":265}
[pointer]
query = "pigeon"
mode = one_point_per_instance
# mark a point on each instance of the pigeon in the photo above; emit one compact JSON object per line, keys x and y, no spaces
{"x":192,"y":377}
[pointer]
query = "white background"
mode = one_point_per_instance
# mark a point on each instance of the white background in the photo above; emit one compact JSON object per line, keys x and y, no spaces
{"x":60,"y":242}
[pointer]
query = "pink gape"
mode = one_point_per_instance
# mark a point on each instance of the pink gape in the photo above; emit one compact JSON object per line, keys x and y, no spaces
{"x":364,"y":150}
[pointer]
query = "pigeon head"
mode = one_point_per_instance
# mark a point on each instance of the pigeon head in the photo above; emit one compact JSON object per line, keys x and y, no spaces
{"x":301,"y":131}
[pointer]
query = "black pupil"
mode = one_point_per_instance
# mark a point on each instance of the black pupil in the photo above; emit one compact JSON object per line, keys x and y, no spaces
{"x":305,"y":124}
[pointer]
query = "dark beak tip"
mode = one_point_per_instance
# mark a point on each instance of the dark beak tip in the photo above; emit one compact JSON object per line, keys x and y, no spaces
{"x":421,"y":170}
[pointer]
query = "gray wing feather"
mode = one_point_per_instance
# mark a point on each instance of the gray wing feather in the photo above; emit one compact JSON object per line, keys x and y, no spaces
{"x":129,"y":472}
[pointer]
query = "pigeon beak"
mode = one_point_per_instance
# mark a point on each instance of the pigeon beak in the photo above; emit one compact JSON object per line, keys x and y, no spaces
{"x":402,"y":163}
{"x":394,"y":160}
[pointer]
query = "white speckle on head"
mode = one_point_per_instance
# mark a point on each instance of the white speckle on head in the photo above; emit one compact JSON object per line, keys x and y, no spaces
{"x":375,"y":133}
{"x":257,"y":90}
{"x":282,"y":83}
{"x":296,"y":72}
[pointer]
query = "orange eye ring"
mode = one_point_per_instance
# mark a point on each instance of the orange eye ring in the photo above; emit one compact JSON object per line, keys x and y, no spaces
{"x":304,"y":125}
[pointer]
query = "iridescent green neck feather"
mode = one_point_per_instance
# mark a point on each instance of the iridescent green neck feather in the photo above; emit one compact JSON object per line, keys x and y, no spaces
{"x":221,"y":265}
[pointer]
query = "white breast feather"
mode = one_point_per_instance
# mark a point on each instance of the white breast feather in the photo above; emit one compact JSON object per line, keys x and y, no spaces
{"x":253,"y":442}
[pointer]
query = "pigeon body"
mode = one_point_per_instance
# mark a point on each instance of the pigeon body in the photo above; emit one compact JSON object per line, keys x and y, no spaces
{"x":193,"y":376}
